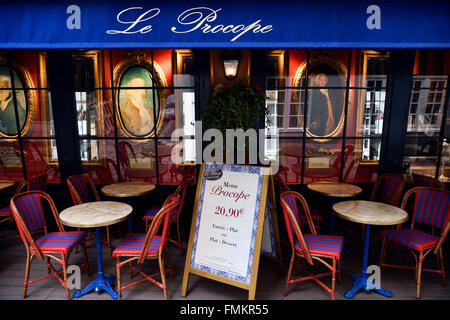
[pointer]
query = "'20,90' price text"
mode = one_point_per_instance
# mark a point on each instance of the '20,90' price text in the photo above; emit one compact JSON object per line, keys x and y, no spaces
{"x":230,"y":213}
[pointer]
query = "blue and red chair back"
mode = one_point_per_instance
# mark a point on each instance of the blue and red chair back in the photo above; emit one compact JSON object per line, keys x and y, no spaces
{"x":82,"y":189}
{"x":424,"y":181}
{"x":162,"y":217}
{"x":27,"y":212}
{"x":388,"y":189}
{"x":34,"y":184}
{"x":288,"y":201}
{"x":431,"y":206}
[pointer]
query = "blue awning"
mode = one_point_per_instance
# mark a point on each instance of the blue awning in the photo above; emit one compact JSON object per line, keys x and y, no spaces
{"x":228,"y":23}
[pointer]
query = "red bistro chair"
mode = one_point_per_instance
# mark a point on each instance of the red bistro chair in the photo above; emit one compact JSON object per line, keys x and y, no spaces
{"x":309,"y":246}
{"x":82,"y":190}
{"x":387,"y":189}
{"x":34,"y":184}
{"x":424,"y":181}
{"x":315,"y":216}
{"x":175,"y":215}
{"x":27,"y":211}
{"x":150,"y":246}
{"x":432,"y":208}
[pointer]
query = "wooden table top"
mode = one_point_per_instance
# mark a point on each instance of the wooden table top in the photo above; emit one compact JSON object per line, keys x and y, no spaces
{"x":370,"y":212}
{"x":335,"y":189}
{"x":128,"y":189}
{"x":95,"y":214}
{"x":6,"y":184}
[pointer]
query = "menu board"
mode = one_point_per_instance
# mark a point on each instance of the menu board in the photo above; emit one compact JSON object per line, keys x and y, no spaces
{"x":227,"y":226}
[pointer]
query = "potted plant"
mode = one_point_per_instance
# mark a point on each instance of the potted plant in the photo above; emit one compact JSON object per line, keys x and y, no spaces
{"x":234,"y":106}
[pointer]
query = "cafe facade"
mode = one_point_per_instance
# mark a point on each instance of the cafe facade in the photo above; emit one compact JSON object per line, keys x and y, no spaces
{"x":132,"y":92}
{"x":386,"y":70}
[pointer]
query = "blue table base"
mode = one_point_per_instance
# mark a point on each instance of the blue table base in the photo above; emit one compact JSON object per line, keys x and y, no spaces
{"x":101,"y":282}
{"x":360,"y":282}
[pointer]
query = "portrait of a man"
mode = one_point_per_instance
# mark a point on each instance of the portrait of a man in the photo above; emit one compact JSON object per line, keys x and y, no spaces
{"x":325,"y":101}
{"x":136,"y":103}
{"x":8,"y":124}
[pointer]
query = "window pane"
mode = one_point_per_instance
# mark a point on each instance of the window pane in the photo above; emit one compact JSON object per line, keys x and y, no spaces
{"x":353,"y":171}
{"x":427,"y":104}
{"x":421,"y":155}
{"x":322,"y":161}
{"x":291,"y":160}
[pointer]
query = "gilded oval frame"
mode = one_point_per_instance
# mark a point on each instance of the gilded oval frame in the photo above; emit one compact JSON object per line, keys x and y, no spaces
{"x":138,"y":59}
{"x":342,"y":72}
{"x":29,"y":93}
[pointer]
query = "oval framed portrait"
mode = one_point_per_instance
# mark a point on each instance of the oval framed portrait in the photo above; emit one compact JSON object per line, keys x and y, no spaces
{"x":24,"y":97}
{"x":327,"y":79}
{"x":139,"y":96}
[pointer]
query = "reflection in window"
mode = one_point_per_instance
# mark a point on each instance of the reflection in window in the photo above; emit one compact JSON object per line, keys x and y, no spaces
{"x":424,"y":125}
{"x":427,"y":104}
{"x":184,"y":100}
{"x":87,"y":100}
{"x":373,"y":104}
{"x":86,"y":118}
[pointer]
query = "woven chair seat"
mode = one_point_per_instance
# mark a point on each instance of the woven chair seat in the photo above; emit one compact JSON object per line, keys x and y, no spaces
{"x":5,"y":212}
{"x":151,"y":213}
{"x":60,"y":242}
{"x":133,"y":243}
{"x":412,"y":238}
{"x":322,"y":245}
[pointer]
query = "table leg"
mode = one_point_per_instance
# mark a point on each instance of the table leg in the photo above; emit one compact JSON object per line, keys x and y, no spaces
{"x":101,"y":282}
{"x":361,"y":281}
{"x":130,"y":222}
{"x":333,"y":201}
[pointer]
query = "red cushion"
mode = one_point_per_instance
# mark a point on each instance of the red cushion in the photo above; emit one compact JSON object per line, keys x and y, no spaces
{"x":412,"y":238}
{"x":132,"y":244}
{"x":61,"y":242}
{"x":322,"y":245}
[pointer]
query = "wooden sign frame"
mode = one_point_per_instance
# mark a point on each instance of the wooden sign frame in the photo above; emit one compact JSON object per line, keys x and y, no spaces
{"x":220,"y":276}
{"x":274,"y":226}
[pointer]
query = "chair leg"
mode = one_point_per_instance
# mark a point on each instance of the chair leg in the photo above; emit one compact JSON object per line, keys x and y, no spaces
{"x":169,"y":262}
{"x":131,"y":270}
{"x":108,"y":240}
{"x":441,"y":265}
{"x":163,"y":275}
{"x":48,"y":266}
{"x":419,"y":274}
{"x":27,"y":275}
{"x":333,"y":280}
{"x":288,"y":278}
{"x":64,"y":267}
{"x":119,"y":292}
{"x":179,"y":238}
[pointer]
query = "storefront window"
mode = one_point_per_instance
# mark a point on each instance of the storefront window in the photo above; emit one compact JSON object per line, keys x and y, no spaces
{"x":24,"y":141}
{"x":426,"y":145}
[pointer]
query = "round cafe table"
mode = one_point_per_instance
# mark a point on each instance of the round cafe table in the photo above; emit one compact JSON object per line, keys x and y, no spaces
{"x":334,"y":190}
{"x":368,"y":213}
{"x":128,"y":190}
{"x":95,"y":215}
{"x":5,"y":184}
